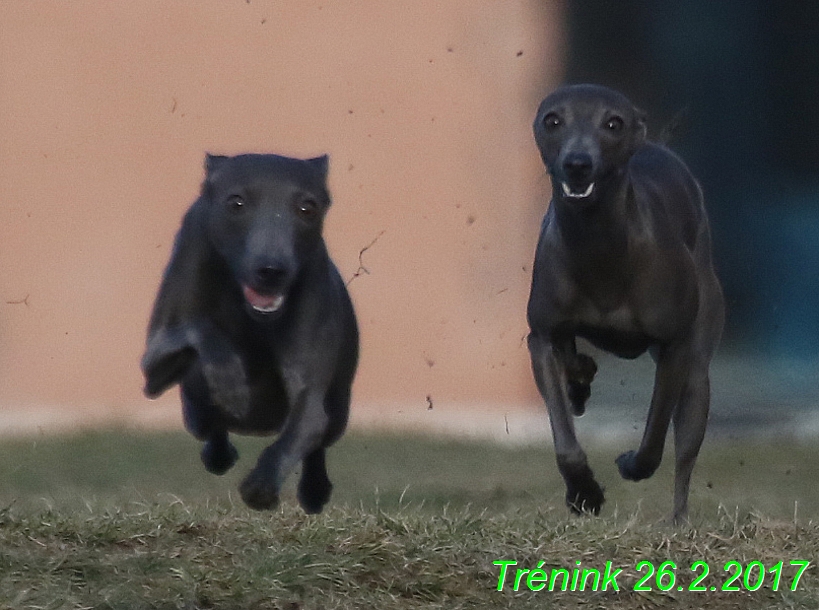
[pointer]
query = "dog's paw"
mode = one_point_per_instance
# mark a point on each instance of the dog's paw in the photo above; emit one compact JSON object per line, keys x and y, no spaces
{"x":581,"y":372}
{"x":583,"y":494}
{"x":585,"y":497}
{"x":219,"y":457}
{"x":167,"y":359}
{"x":258,"y":492}
{"x":584,"y":369}
{"x":632,"y":468}
{"x":578,"y":395}
{"x":313,"y":494}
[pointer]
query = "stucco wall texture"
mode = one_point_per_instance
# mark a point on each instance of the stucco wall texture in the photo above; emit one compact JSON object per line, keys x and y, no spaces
{"x":425,"y":108}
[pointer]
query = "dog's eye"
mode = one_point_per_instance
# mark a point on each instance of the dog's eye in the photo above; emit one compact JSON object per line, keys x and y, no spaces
{"x":235,"y":203}
{"x":552,"y":121}
{"x":614,"y":124}
{"x":307,"y":208}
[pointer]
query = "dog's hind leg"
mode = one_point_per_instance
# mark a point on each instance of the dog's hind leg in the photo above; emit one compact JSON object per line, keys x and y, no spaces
{"x":203,"y":420}
{"x":583,"y":493}
{"x":691,"y":415}
{"x":690,"y":420}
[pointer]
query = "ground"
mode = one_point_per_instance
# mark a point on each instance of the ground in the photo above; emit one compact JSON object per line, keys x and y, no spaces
{"x":130,"y":519}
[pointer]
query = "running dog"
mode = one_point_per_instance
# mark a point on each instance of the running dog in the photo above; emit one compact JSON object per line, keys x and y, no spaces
{"x":623,"y":261}
{"x":254,"y":322}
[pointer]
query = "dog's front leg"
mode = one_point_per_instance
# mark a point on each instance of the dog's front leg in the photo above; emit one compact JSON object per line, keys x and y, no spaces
{"x":673,"y":371}
{"x":172,"y":350}
{"x":583,"y":494}
{"x":168,"y":356}
{"x":301,"y":437}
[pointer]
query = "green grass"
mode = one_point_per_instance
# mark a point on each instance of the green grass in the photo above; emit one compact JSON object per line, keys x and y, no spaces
{"x":121,"y":519}
{"x":116,"y":467}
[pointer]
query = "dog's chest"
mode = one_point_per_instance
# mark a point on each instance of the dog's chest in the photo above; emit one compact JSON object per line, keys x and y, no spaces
{"x":606,"y":314}
{"x":616,"y":330}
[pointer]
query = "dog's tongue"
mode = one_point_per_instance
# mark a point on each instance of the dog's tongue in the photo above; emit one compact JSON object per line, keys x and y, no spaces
{"x":263,"y":303}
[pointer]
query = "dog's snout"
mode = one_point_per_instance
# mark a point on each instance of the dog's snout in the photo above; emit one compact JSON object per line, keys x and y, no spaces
{"x":578,"y":164}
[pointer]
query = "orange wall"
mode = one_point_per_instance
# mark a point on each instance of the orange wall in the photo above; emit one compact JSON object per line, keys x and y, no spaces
{"x":106,"y":111}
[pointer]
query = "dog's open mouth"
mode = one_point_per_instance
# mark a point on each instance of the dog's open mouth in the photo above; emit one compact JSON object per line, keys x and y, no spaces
{"x":568,"y":192}
{"x":263,"y":303}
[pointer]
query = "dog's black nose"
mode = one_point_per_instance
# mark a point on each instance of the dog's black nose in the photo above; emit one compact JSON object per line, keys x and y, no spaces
{"x":269,"y":276}
{"x":578,"y":164}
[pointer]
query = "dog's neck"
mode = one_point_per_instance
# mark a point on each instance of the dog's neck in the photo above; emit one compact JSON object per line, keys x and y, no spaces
{"x":597,"y":229}
{"x":595,"y":243}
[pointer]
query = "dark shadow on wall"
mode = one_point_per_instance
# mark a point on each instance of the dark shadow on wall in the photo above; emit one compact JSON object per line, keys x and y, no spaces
{"x":742,"y":78}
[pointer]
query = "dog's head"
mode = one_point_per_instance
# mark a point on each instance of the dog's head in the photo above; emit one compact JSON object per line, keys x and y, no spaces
{"x":586,"y":134}
{"x":264,"y":216}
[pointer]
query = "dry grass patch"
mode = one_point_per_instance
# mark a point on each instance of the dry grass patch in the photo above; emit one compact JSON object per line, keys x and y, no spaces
{"x":172,"y":555}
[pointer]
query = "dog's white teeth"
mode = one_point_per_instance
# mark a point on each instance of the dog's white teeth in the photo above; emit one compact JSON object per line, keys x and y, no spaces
{"x":263,"y":303}
{"x":273,"y":306}
{"x":569,"y":193}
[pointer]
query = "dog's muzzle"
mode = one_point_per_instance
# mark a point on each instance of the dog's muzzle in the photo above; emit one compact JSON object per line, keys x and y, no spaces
{"x":577,"y":169}
{"x":266,"y":289}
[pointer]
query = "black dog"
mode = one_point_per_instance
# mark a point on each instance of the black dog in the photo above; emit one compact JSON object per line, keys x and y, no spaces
{"x":255,"y":323}
{"x":623,"y":261}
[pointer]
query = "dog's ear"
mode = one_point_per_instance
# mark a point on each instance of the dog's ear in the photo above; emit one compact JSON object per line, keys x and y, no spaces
{"x":321,"y":165}
{"x":674,"y":127}
{"x":640,"y":129}
{"x":213,"y":162}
